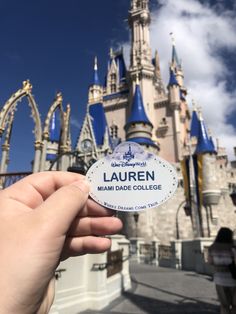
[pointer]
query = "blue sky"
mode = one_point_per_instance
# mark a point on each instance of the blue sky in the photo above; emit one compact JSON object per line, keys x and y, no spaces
{"x":53,"y":43}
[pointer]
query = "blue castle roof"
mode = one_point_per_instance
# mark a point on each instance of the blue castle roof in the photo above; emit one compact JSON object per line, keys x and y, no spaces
{"x":99,"y":122}
{"x":173,"y":80}
{"x":137,"y":113}
{"x":212,"y":144}
{"x":194,"y":128}
{"x":204,"y":144}
{"x":54,"y":128}
{"x":120,"y":63}
{"x":119,"y":59}
{"x":142,"y":140}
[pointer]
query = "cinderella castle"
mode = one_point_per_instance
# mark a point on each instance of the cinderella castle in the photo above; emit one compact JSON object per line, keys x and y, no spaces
{"x":135,"y":104}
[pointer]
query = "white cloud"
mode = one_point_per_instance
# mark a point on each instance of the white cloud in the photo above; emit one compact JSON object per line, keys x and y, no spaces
{"x":201,"y":33}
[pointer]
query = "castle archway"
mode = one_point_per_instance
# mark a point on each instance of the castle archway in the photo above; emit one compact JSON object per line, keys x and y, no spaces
{"x":56,"y":105}
{"x":5,"y":117}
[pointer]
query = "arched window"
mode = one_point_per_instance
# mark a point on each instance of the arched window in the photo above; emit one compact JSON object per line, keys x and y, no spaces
{"x":113,"y":88}
{"x":113,"y":77}
{"x":114,"y":131}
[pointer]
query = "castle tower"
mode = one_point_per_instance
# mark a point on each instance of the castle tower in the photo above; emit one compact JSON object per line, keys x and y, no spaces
{"x":159,"y":86}
{"x":116,"y":93}
{"x":95,"y":90}
{"x":175,"y":107}
{"x":208,"y":182}
{"x":176,"y":64}
{"x":116,"y":72}
{"x":141,"y":65}
{"x":138,"y":127}
{"x":94,"y":139}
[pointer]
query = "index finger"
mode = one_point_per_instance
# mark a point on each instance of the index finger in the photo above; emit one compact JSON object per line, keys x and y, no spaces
{"x":35,"y":188}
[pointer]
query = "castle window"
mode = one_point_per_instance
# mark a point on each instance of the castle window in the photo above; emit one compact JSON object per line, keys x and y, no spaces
{"x":113,"y":88}
{"x":163,"y":121}
{"x":113,"y":77}
{"x":114,"y":131}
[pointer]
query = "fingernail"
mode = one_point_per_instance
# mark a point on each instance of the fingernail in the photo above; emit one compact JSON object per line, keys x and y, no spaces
{"x":83,"y":185}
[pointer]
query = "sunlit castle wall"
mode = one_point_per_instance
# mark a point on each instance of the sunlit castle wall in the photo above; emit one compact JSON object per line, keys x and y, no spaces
{"x":161,"y":223}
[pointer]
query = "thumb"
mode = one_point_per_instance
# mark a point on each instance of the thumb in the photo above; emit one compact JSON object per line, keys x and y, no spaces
{"x":60,"y":209}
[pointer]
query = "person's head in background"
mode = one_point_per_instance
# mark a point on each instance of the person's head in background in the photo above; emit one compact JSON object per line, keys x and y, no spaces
{"x":224,"y":235}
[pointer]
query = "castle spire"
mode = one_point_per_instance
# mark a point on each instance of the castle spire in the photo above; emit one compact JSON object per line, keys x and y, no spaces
{"x":173,"y":80}
{"x":138,"y":113}
{"x":140,"y":53}
{"x":204,"y":144}
{"x":95,"y":89}
{"x":139,"y":22}
{"x":194,"y":128}
{"x":175,"y":63}
{"x":96,"y":78}
{"x":138,"y":127}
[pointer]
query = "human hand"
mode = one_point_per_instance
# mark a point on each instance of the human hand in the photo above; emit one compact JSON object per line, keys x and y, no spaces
{"x":45,"y":218}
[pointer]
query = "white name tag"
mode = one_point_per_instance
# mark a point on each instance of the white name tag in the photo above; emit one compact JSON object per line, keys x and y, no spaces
{"x":131,"y":179}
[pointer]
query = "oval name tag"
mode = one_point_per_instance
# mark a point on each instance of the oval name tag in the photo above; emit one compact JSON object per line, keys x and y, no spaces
{"x":131,"y":179}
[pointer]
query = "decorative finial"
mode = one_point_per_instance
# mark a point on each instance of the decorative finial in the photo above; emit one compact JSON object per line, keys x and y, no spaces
{"x":59,"y":96}
{"x":27,"y":87}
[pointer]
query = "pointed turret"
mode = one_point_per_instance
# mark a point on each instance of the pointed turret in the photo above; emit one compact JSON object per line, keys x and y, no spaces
{"x":172,"y":80}
{"x":204,"y":144}
{"x":194,"y":128}
{"x":138,"y":113}
{"x":95,"y":89}
{"x":174,"y":59}
{"x":174,"y":90}
{"x":138,"y":127}
{"x":96,"y":78}
{"x":176,"y":64}
{"x":208,"y":183}
{"x":211,"y":140}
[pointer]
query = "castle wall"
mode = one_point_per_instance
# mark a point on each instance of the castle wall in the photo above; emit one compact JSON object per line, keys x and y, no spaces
{"x":160,"y":223}
{"x":116,"y":114}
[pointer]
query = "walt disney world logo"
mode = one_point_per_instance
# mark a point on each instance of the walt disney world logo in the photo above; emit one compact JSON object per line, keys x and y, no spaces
{"x":128,"y":155}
